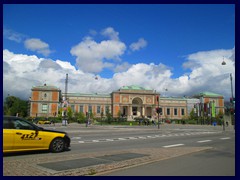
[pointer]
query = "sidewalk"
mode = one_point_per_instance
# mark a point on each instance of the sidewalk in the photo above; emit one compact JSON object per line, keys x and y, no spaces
{"x":162,"y":126}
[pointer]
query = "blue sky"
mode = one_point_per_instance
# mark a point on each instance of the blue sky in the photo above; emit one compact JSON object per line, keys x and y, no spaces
{"x":170,"y":44}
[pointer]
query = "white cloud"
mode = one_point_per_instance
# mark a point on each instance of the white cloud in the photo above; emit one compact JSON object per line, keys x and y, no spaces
{"x":37,"y":45}
{"x":12,"y":35}
{"x":122,"y":67}
{"x":111,"y":33}
{"x":91,"y":56}
{"x":141,"y":43}
{"x":21,"y":72}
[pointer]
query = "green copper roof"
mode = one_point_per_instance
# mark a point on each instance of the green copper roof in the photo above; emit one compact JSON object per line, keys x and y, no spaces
{"x":209,"y":94}
{"x":134,"y":87}
{"x":87,"y":95}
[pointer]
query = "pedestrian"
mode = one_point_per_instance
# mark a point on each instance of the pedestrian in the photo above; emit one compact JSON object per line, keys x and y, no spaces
{"x":52,"y":122}
{"x":153,"y":123}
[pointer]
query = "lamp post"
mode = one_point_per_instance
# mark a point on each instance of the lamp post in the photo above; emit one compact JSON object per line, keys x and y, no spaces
{"x":231,"y":103}
{"x":158,"y":111}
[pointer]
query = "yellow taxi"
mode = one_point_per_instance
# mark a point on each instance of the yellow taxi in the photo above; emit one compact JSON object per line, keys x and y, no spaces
{"x":44,"y":122}
{"x":22,"y":135}
{"x":41,"y":121}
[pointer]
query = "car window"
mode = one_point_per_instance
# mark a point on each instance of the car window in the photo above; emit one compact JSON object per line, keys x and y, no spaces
{"x":21,"y":124}
{"x":7,"y":124}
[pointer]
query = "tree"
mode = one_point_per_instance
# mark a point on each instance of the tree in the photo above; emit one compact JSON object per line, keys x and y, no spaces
{"x":69,"y":113}
{"x":13,"y":106}
{"x":109,"y":116}
{"x":80,"y":117}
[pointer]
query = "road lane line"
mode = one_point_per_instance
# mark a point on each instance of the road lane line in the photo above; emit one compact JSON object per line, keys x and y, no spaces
{"x":203,"y":141}
{"x":109,"y":140}
{"x":173,"y":145}
{"x":95,"y":140}
{"x":122,"y":139}
{"x":133,"y":138}
{"x":225,"y":138}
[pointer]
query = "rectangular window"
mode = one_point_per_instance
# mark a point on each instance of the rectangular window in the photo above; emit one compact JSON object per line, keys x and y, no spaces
{"x":160,"y":110}
{"x":73,"y":108}
{"x":175,"y":112}
{"x":44,"y":108}
{"x":168,"y":111}
{"x":107,"y":109}
{"x":183,"y":112}
{"x":90,"y":109}
{"x":98,"y":109}
{"x":81,"y":108}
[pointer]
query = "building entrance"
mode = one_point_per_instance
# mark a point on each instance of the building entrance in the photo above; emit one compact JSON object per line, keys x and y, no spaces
{"x":137,"y":107}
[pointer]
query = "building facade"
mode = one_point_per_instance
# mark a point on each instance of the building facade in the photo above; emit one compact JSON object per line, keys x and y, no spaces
{"x":128,"y":101}
{"x":44,"y":101}
{"x":210,"y":104}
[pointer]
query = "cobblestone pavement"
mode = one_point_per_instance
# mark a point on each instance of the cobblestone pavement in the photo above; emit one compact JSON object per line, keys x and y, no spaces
{"x":31,"y":167}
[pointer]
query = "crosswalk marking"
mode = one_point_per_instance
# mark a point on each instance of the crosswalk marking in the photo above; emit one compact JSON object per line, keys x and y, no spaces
{"x":173,"y":145}
{"x":203,"y":141}
{"x":225,"y":138}
{"x":145,"y":137}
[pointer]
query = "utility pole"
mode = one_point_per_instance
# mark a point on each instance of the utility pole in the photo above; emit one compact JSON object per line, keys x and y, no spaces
{"x":65,"y":103}
{"x":158,"y":112}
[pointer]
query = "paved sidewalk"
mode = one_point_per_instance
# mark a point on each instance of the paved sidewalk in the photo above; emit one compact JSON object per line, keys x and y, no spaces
{"x":82,"y":127}
{"x":32,"y":166}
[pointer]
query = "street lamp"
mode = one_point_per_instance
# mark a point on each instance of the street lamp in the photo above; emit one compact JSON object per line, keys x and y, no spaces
{"x":231,"y":103}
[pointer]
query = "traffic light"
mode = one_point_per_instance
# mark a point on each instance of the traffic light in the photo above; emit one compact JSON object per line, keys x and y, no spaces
{"x":232,"y":100}
{"x":232,"y":110}
{"x":158,"y":110}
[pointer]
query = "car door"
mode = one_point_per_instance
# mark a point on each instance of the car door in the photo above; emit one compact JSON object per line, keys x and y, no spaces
{"x":27,"y":137}
{"x":8,"y":135}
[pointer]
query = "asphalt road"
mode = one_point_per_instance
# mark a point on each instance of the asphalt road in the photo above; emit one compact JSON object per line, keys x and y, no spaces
{"x":182,"y":145}
{"x":218,"y":161}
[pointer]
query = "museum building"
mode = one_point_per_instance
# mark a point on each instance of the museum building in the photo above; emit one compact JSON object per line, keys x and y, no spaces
{"x":128,"y":101}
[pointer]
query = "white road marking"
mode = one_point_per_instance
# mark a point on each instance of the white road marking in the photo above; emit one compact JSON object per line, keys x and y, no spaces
{"x":173,"y":145}
{"x":225,"y":138}
{"x":203,"y":141}
{"x":146,"y":137}
{"x":122,"y":139}
{"x":133,"y":138}
{"x":76,"y":138}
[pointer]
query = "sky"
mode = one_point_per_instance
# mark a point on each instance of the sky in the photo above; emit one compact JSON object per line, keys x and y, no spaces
{"x":175,"y":49}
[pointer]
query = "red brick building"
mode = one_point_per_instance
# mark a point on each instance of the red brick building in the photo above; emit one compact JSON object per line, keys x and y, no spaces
{"x":44,"y":101}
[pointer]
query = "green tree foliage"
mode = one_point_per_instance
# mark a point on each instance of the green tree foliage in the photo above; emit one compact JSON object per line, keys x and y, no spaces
{"x":14,"y":105}
{"x":109,"y":116}
{"x":69,"y":113}
{"x":80,"y":117}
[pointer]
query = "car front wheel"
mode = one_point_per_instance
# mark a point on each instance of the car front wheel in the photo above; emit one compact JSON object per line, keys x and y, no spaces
{"x":57,"y":145}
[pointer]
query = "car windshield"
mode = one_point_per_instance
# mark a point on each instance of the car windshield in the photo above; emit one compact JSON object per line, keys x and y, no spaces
{"x":21,"y":124}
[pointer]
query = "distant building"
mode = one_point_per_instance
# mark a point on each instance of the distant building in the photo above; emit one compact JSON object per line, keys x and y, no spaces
{"x":209,"y":103}
{"x":128,"y":101}
{"x":173,"y":107}
{"x":44,"y":101}
{"x":191,"y":104}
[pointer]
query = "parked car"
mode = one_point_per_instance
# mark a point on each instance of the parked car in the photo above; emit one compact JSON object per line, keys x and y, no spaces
{"x":22,"y":135}
{"x":41,"y":121}
{"x":168,"y":121}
